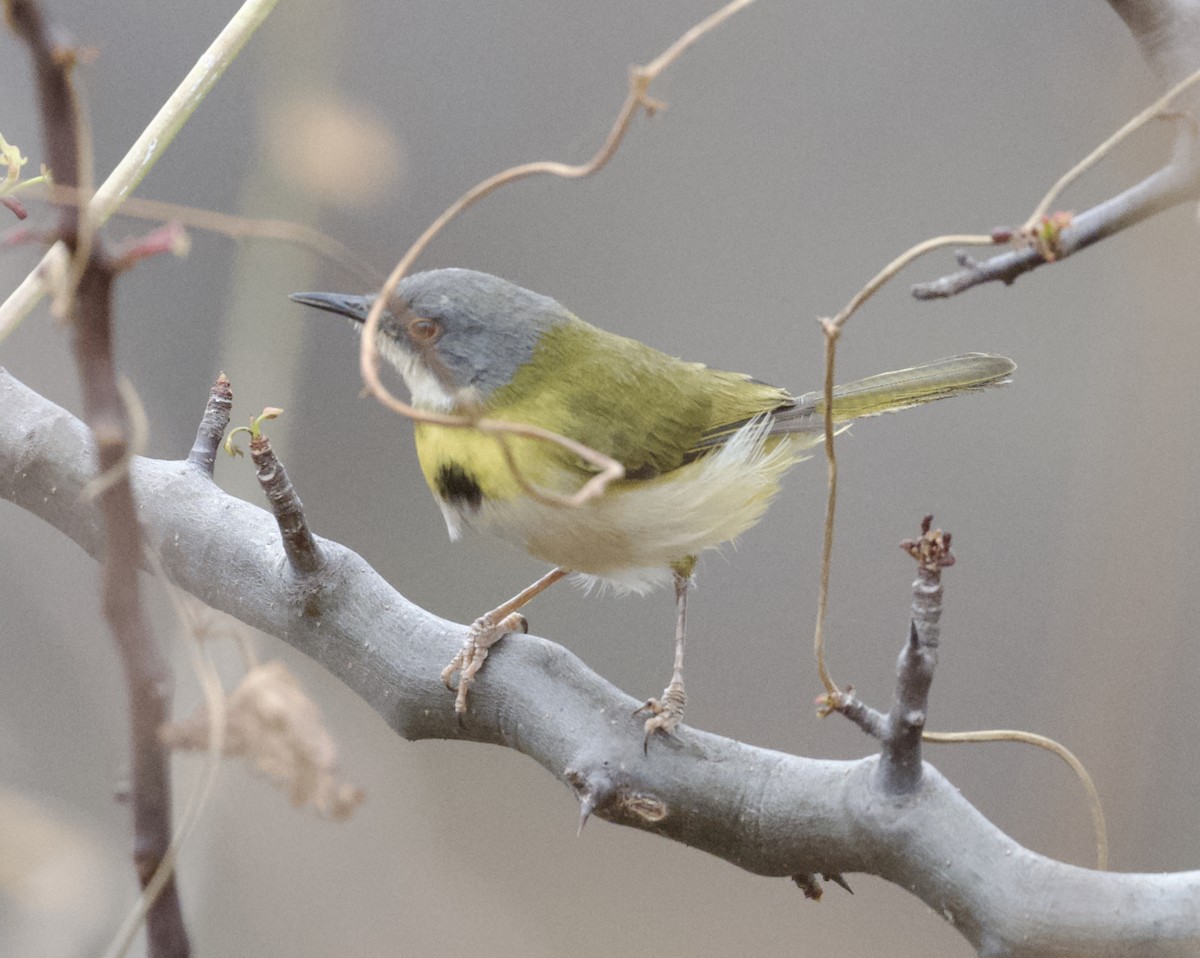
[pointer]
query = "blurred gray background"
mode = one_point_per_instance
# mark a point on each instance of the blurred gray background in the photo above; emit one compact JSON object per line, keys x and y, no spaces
{"x":805,"y":145}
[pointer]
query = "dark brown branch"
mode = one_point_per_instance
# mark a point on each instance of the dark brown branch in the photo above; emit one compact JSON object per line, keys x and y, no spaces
{"x":147,"y":675}
{"x":14,"y":206}
{"x":52,"y":64}
{"x":301,"y":548}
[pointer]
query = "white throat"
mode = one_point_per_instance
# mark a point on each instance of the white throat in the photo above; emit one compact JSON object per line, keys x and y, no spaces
{"x":427,"y":392}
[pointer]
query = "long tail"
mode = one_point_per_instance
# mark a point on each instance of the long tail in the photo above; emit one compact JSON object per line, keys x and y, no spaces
{"x":887,"y":392}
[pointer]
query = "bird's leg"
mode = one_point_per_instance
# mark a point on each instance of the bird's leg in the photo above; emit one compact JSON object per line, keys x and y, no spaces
{"x":489,"y":629}
{"x":668,"y":712}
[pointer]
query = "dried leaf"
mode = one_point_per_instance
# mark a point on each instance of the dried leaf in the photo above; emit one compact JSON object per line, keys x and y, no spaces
{"x":272,"y":722}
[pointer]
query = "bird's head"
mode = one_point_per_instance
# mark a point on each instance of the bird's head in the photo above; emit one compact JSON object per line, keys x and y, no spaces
{"x":454,"y":335}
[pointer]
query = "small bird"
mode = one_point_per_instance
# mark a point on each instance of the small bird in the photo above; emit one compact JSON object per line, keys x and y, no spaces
{"x":703,"y":450}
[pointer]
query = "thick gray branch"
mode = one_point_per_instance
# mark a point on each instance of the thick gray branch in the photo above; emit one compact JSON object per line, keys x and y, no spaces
{"x":1167,"y":33}
{"x":767,"y":812}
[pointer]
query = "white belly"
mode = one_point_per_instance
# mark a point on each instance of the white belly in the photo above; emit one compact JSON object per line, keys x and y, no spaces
{"x":630,"y":536}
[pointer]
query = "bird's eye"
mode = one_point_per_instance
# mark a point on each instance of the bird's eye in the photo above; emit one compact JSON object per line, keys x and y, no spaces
{"x":423,"y":331}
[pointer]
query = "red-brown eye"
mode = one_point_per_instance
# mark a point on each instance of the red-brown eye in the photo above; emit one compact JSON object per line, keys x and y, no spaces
{"x":424,"y":331}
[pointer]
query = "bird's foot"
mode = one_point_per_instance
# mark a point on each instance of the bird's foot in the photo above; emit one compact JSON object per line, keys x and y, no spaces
{"x":666,"y":714}
{"x":483,"y":634}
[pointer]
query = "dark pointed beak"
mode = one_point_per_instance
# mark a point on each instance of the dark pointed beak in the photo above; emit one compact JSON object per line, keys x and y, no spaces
{"x":354,"y":307}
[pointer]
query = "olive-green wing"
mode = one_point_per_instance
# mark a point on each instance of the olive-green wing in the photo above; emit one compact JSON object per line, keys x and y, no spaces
{"x":645,"y":409}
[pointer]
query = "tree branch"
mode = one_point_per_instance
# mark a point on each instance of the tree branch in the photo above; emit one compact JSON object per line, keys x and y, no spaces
{"x":1168,"y":34}
{"x":303,"y":555}
{"x":145,"y":152}
{"x":899,"y":732}
{"x":765,"y":811}
{"x":1173,"y":184}
{"x":212,"y":426}
{"x":147,"y":675}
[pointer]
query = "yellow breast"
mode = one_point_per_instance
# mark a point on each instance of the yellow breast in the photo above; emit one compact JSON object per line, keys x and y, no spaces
{"x":632,"y":534}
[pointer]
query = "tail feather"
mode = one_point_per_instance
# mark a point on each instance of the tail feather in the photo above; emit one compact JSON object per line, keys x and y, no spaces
{"x":888,"y":392}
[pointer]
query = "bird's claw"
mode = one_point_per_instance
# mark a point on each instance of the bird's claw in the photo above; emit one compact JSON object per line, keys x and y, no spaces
{"x":483,"y":634}
{"x":665,"y":715}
